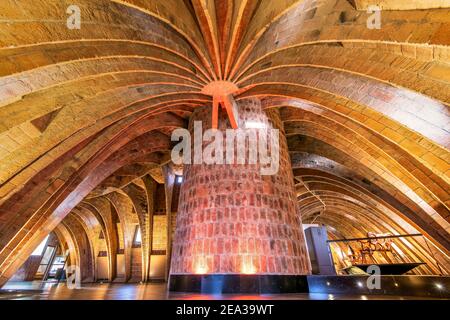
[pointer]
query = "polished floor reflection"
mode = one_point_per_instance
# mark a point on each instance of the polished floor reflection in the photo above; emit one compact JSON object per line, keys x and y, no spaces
{"x":53,"y":291}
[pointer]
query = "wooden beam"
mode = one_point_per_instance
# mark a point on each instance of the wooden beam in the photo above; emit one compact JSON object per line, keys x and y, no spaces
{"x":215,"y":113}
{"x":232,"y":110}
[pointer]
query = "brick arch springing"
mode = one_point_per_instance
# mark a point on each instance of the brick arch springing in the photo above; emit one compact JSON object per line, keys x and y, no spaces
{"x":366,"y":220}
{"x":79,"y":189}
{"x":357,"y":155}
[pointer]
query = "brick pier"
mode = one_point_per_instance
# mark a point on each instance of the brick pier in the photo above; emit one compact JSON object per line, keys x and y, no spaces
{"x":232,"y":219}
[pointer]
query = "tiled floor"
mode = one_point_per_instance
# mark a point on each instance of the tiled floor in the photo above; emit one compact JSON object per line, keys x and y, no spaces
{"x":53,"y":291}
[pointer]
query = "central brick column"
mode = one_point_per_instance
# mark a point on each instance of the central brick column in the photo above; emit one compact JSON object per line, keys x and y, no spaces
{"x":234,"y":221}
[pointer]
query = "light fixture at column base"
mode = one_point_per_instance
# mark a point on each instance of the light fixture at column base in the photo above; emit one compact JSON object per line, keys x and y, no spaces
{"x":238,"y":283}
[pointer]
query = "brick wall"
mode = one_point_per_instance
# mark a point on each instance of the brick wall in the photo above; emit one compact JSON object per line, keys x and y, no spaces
{"x":234,"y":220}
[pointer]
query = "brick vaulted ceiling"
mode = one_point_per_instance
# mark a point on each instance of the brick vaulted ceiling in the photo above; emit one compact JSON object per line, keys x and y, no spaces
{"x":84,"y":113}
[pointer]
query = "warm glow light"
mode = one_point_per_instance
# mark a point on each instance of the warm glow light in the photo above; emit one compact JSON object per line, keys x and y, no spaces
{"x":439,"y":286}
{"x":201,"y":267}
{"x":248,"y":267}
{"x":360,"y":284}
{"x":201,"y":270}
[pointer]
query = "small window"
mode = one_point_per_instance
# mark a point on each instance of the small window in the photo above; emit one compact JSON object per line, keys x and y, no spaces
{"x":40,"y":249}
{"x":137,"y":237}
{"x":179,"y":179}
